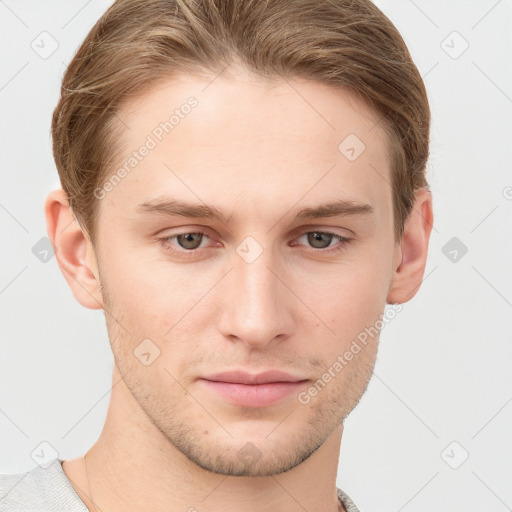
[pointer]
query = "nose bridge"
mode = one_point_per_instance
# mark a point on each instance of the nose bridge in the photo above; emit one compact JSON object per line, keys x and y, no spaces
{"x":255,"y":309}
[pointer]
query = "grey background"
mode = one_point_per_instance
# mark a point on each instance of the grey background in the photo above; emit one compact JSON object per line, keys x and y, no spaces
{"x":444,"y":364}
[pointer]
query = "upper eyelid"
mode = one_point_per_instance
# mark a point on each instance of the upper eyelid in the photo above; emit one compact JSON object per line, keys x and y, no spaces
{"x":295,"y":231}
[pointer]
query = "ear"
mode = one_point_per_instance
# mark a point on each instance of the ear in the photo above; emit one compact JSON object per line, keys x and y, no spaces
{"x":73,"y":250}
{"x":411,"y":253}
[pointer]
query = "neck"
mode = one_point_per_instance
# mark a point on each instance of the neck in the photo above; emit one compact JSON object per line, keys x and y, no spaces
{"x":133,"y":463}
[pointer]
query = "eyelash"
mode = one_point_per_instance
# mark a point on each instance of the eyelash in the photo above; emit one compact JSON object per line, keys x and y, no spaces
{"x":165,"y":241}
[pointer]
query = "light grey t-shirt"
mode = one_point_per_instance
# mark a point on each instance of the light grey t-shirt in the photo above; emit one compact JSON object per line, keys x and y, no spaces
{"x":49,"y":490}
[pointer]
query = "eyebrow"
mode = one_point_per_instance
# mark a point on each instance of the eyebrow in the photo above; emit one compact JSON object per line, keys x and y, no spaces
{"x":171,"y":207}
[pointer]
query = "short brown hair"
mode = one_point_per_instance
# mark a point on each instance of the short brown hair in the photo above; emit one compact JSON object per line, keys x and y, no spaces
{"x":135,"y":44}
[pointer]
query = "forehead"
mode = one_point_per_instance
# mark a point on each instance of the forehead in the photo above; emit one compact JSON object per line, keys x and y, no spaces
{"x":247,"y":139}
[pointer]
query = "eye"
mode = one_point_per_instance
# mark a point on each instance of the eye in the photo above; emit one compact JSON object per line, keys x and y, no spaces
{"x":186,"y":242}
{"x":321,"y":240}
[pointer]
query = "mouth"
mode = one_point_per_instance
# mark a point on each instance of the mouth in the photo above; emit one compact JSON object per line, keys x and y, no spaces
{"x":253,"y":390}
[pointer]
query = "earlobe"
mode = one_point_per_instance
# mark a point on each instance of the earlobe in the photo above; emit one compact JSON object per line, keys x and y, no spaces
{"x":73,"y":250}
{"x":413,"y":250}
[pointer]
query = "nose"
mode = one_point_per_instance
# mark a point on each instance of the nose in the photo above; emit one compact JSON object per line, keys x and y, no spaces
{"x":256,"y":307}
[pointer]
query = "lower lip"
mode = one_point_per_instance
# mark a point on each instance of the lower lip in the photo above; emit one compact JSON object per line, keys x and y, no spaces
{"x":254,"y":395}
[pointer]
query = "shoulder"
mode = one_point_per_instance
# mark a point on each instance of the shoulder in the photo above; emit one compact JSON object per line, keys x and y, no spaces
{"x":39,"y":490}
{"x":349,"y":505}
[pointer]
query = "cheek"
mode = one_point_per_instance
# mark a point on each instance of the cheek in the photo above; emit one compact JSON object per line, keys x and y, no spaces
{"x":143,"y":290}
{"x":348,"y":297}
{"x":156,"y":303}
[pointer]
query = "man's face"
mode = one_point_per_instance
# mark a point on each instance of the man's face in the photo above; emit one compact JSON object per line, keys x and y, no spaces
{"x":259,"y":290}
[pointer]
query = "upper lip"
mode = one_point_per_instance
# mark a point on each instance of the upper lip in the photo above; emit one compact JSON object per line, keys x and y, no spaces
{"x":242,"y":377}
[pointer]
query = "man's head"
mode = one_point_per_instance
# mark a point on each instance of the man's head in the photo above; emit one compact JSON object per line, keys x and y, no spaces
{"x":297,"y":132}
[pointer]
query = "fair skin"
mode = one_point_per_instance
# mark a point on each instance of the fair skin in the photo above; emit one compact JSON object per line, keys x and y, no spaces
{"x":259,"y":152}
